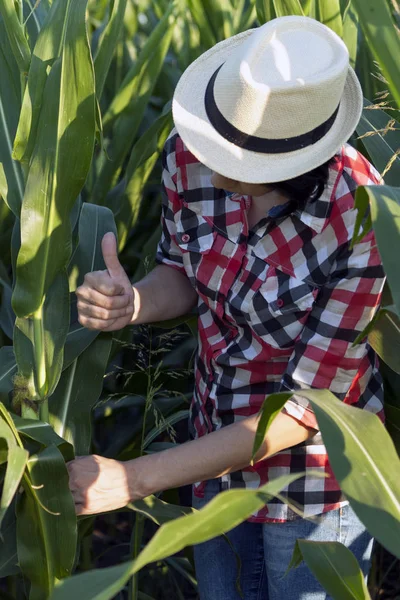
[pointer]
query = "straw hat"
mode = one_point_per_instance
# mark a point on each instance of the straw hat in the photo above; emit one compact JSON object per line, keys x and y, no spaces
{"x":271,"y":103}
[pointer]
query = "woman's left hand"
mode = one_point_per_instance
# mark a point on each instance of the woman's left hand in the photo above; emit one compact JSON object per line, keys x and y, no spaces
{"x":98,"y":484}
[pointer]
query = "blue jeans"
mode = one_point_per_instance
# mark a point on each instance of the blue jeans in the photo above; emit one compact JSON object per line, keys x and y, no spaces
{"x":265,"y":551}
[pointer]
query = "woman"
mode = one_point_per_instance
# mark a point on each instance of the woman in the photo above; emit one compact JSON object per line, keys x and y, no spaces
{"x":257,"y":222}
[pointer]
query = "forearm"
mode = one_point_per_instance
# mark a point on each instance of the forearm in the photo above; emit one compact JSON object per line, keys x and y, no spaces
{"x":224,"y":451}
{"x":163,"y":294}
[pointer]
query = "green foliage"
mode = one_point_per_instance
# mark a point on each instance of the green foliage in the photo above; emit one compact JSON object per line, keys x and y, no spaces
{"x":73,"y":72}
{"x":335,"y":567}
{"x":223,"y":513}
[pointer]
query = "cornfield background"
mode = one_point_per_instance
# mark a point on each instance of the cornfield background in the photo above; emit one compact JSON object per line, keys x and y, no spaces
{"x":85,"y":91}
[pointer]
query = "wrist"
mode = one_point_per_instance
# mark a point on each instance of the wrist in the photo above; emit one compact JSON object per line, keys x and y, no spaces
{"x":138,"y":478}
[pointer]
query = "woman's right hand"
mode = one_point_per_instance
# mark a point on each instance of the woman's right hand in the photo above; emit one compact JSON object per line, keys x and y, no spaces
{"x":106,"y":298}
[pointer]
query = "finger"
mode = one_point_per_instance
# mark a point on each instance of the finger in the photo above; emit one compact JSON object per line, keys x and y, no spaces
{"x":96,"y":324}
{"x":97,"y":312}
{"x":102,"y":282}
{"x":110,"y":255}
{"x":92,"y":296}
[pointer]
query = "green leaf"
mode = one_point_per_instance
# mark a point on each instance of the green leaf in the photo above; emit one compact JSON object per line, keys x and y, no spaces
{"x":350,"y":33}
{"x":44,"y":435}
{"x":78,"y":338}
{"x":12,"y":181}
{"x":380,"y":135}
{"x":384,"y":336}
{"x":392,"y":414}
{"x":143,"y":158}
{"x":8,"y":546}
{"x":94,"y":223}
{"x":35,"y":14}
{"x":284,"y":8}
{"x":16,"y":35}
{"x":265,"y":11}
{"x":199,"y":14}
{"x":335,"y":567}
{"x":385,"y":214}
{"x":8,"y":368}
{"x":383,"y":39}
{"x":158,"y":511}
{"x":7,"y":316}
{"x":108,"y":41}
{"x":131,"y":101}
{"x":46,"y":523}
{"x":51,"y":44}
{"x":60,"y":164}
{"x":16,"y":458}
{"x":78,"y":391}
{"x":39,"y":341}
{"x":139,"y":79}
{"x":330,"y":15}
{"x":272,"y":405}
{"x":222,"y":514}
{"x":165,"y":424}
{"x":364,"y":462}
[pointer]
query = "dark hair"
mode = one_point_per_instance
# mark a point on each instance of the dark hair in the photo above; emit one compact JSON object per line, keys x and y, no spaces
{"x":306,"y":187}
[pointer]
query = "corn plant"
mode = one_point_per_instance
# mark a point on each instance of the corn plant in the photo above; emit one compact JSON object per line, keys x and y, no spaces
{"x":85,"y":92}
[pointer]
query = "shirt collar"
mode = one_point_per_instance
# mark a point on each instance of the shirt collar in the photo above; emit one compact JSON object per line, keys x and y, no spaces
{"x":315,"y":213}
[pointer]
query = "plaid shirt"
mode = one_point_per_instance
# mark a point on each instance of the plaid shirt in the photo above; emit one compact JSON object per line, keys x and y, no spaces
{"x":279,"y":308}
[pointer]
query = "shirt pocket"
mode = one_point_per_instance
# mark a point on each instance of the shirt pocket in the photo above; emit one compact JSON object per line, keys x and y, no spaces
{"x":280,"y":307}
{"x":195,"y":237}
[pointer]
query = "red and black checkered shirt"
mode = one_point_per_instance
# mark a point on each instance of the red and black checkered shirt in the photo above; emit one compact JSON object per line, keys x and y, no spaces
{"x":279,"y":307}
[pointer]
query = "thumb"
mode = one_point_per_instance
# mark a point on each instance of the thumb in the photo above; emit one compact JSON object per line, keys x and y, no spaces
{"x":110,"y":255}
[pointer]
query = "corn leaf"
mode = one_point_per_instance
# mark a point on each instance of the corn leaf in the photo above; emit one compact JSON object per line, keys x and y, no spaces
{"x":143,"y":158}
{"x":265,"y":11}
{"x":16,"y":458}
{"x":392,"y":414}
{"x":11,"y":178}
{"x":35,"y":14}
{"x":79,"y":389}
{"x":335,"y":567}
{"x":40,"y":435}
{"x":131,"y":101}
{"x":8,"y":547}
{"x":383,"y":39}
{"x":47,"y":49}
{"x":46,"y":523}
{"x":108,"y":41}
{"x":284,"y":8}
{"x":59,"y":166}
{"x":8,"y":368}
{"x":350,"y":34}
{"x":384,"y":202}
{"x":15,"y":32}
{"x":223,"y":513}
{"x":330,"y":15}
{"x":207,"y":35}
{"x":380,"y":134}
{"x":158,"y":511}
{"x":366,"y":470}
{"x":384,"y":336}
{"x":139,"y":79}
{"x":58,"y":170}
{"x":39,"y":341}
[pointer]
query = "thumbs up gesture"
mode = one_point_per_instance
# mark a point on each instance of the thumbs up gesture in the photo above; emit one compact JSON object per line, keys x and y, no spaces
{"x":106,"y":299}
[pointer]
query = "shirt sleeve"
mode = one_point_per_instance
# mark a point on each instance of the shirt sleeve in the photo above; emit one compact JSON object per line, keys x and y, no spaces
{"x":168,"y":252}
{"x":324,"y":356}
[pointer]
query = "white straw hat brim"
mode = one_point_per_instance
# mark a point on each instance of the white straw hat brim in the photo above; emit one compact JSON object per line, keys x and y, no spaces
{"x":231,"y":161}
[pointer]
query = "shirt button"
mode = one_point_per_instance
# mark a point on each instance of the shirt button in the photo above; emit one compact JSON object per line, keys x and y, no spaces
{"x":280,"y":302}
{"x":185,"y":238}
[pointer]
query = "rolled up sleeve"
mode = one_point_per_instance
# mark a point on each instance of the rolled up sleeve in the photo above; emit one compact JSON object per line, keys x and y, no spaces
{"x":168,"y":252}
